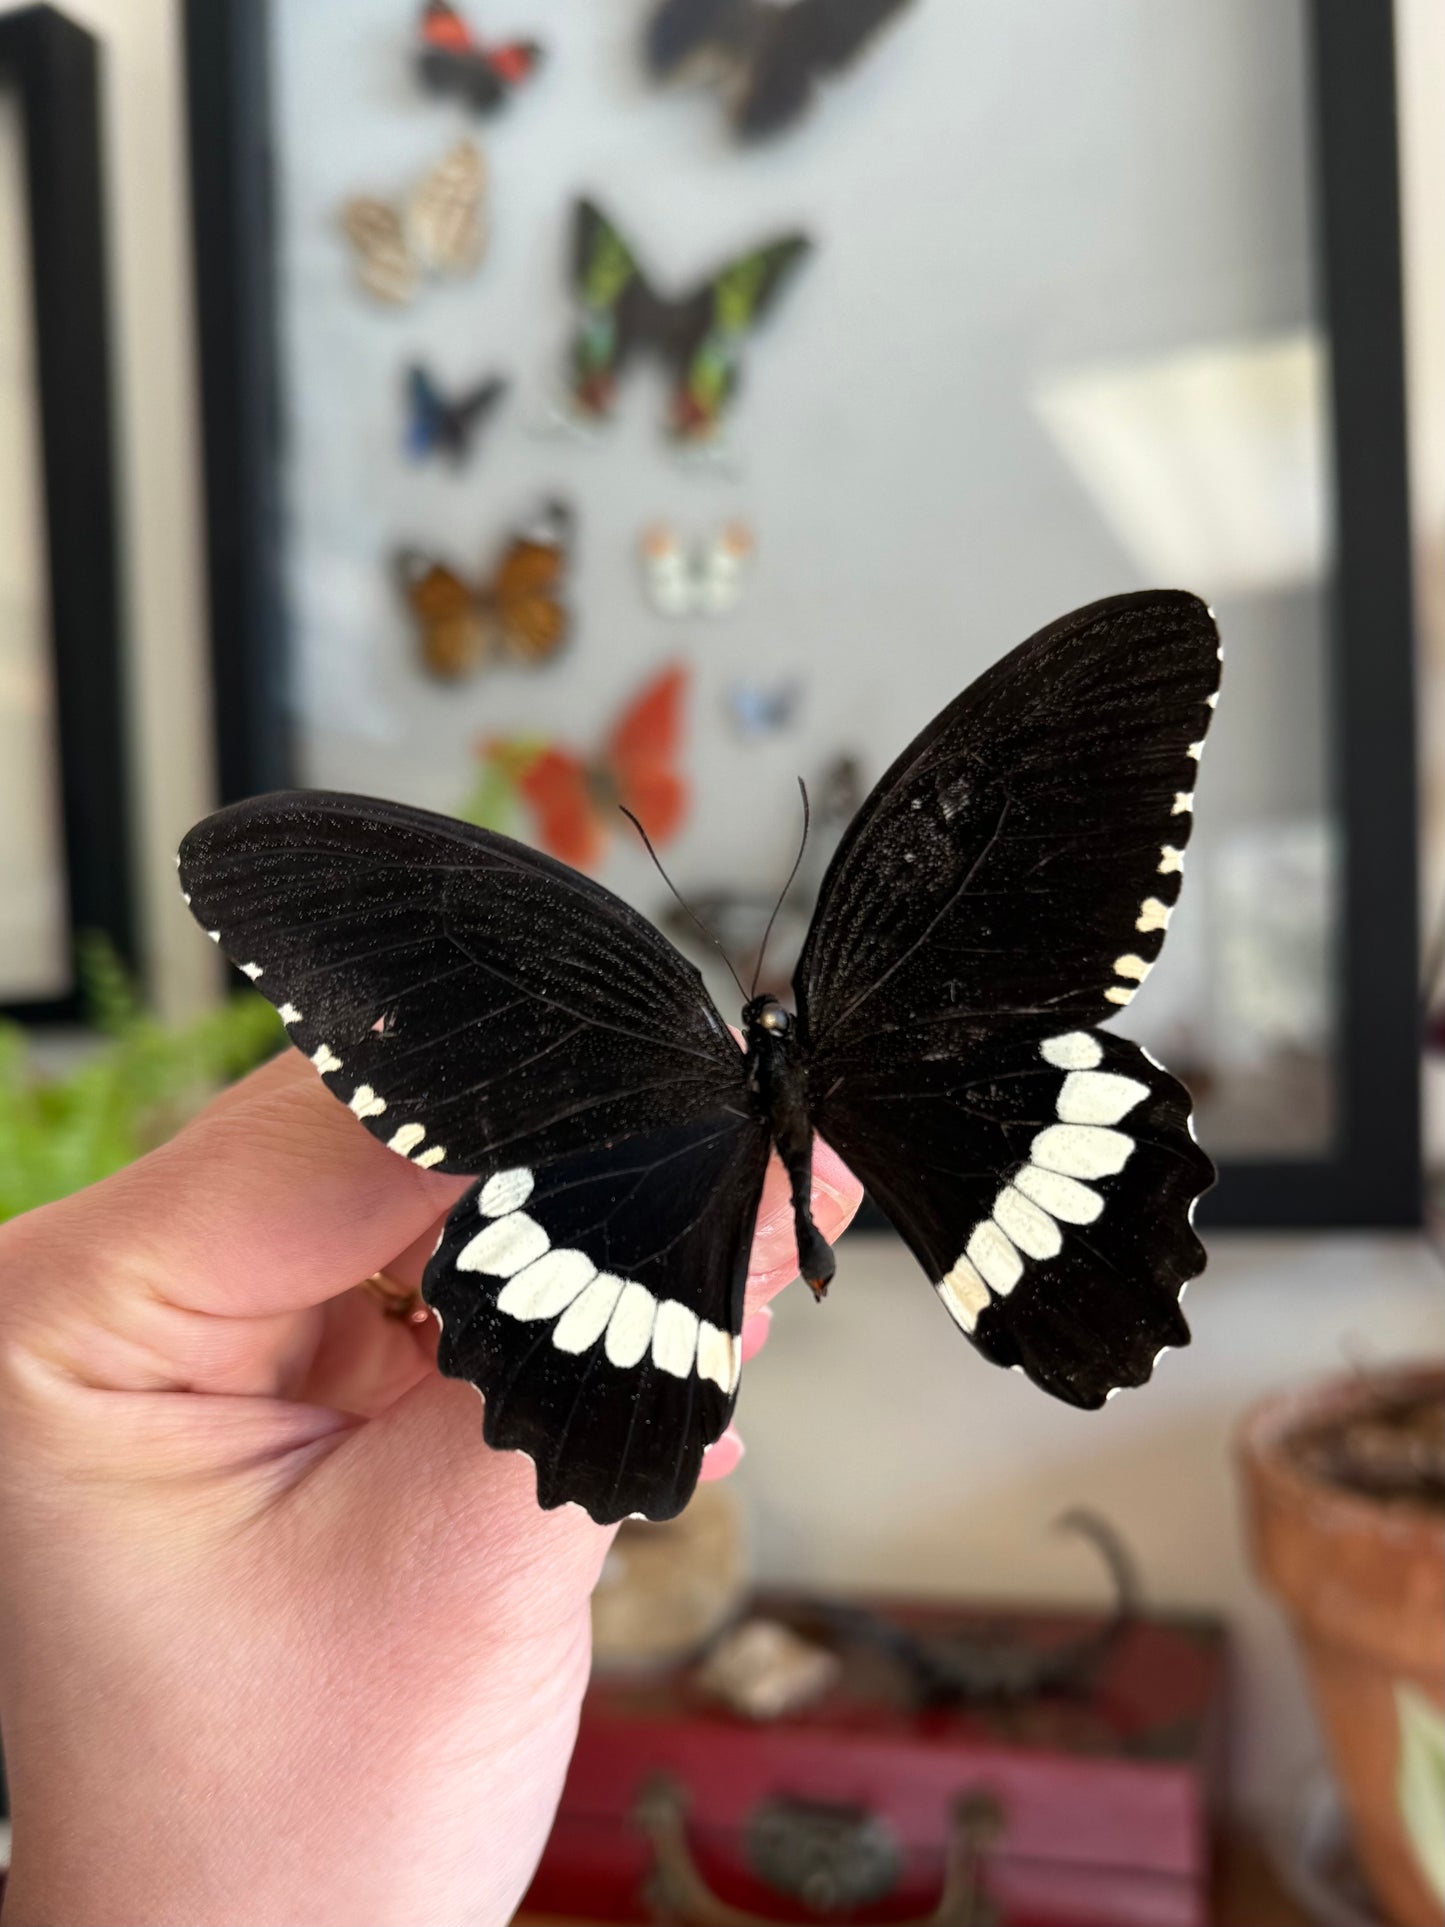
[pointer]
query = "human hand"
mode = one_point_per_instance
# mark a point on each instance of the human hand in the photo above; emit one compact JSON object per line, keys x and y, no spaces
{"x":281,"y":1640}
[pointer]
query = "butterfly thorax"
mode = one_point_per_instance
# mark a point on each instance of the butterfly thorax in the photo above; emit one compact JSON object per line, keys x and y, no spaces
{"x":776,"y":1084}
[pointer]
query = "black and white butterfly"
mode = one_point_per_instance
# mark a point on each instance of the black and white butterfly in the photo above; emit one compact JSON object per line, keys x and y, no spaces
{"x":1002,"y":892}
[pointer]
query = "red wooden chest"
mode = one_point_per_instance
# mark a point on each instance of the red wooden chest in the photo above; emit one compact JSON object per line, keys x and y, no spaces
{"x":1083,"y":1809}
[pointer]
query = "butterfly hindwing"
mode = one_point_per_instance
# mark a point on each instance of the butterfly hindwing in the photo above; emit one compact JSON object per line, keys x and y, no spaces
{"x":596,"y":1302}
{"x":1045,"y":1182}
{"x":470,"y":999}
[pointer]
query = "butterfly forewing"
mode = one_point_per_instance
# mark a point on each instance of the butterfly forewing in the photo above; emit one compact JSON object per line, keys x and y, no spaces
{"x":597,"y":1304}
{"x":469,"y":998}
{"x":1022,"y":857}
{"x":1005,"y":888}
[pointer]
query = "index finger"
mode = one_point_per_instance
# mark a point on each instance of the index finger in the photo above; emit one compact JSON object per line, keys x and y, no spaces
{"x":273,"y":1199}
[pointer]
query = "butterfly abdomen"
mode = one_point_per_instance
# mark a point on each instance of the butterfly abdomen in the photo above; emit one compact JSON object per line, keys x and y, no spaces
{"x":776,"y":1083}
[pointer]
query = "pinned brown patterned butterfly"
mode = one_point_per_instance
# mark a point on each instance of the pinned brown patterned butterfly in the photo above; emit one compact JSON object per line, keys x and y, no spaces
{"x":516,"y":615}
{"x":436,"y":230}
{"x":1000,"y":895}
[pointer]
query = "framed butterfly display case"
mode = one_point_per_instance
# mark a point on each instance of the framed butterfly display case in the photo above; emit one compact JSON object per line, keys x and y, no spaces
{"x":64,"y":850}
{"x":592,"y":423}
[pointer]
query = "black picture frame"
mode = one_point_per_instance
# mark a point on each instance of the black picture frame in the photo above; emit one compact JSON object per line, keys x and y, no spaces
{"x":1372,"y":1176}
{"x":54,"y":67}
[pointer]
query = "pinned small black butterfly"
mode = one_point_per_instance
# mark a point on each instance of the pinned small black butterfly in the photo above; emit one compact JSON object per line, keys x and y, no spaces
{"x":771,"y":55}
{"x":1004,"y":889}
{"x":439,"y":424}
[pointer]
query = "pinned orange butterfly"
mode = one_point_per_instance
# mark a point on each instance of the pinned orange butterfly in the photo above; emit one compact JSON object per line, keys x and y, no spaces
{"x":518,"y":615}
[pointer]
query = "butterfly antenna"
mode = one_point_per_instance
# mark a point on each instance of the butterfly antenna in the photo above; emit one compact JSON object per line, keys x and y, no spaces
{"x":782,"y":896}
{"x":647,"y":845}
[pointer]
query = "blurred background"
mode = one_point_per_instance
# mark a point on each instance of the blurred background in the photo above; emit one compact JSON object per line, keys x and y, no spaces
{"x":1098,"y":297}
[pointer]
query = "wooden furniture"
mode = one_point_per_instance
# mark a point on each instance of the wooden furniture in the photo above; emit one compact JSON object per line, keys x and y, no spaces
{"x":1083,"y":1808}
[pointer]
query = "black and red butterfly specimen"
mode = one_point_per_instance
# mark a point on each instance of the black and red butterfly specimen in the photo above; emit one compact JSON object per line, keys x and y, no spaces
{"x":1002,"y":892}
{"x":770,"y":53}
{"x":450,"y":59}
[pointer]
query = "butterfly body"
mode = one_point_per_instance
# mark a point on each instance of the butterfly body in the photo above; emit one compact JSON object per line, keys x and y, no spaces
{"x":776,"y":1077}
{"x":1004,"y":889}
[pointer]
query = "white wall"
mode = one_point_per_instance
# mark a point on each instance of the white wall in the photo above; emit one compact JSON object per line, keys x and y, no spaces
{"x":159,"y":468}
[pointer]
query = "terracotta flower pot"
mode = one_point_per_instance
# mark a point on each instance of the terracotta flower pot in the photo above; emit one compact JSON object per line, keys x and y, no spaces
{"x":1363,"y":1581}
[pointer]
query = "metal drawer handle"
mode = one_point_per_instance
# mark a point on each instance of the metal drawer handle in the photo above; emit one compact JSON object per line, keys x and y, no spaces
{"x":679,"y":1895}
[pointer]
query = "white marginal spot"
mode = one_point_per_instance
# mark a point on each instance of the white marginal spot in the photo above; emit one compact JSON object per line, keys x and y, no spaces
{"x":1032,"y":1230}
{"x":178,"y":859}
{"x":547,"y":1286}
{"x":1153,"y":915}
{"x":994,"y":1258}
{"x":406,"y":1139}
{"x":1213,"y":700}
{"x":714,"y":1355}
{"x":1076,"y":1050}
{"x":186,"y":898}
{"x":289,"y":1014}
{"x":629,"y":1330}
{"x":1081,"y":1150}
{"x":585,"y":1319}
{"x":325,"y":1059}
{"x":505,"y":1191}
{"x":1114,"y":1393}
{"x":365,"y":1102}
{"x":1132,"y":966}
{"x":1098,"y":1097}
{"x":253,"y":971}
{"x":214,"y":935}
{"x":1061,"y":1197}
{"x":1183,"y":802}
{"x":1196,"y":750}
{"x":1170,"y":860}
{"x":674,"y":1338}
{"x":504,"y":1246}
{"x":426,"y":1159}
{"x":965,"y":1294}
{"x":1117,"y":996}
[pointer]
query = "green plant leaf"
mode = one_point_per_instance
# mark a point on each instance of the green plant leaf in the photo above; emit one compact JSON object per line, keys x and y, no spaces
{"x":1420,"y":1782}
{"x":132,"y":1087}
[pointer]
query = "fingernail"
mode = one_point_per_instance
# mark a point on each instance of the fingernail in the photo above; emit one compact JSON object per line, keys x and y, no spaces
{"x":756,"y":1327}
{"x":723,"y":1455}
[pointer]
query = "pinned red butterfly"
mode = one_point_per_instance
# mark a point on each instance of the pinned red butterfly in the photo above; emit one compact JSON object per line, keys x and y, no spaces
{"x":575,"y":796}
{"x":1003,"y":891}
{"x":452,"y":60}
